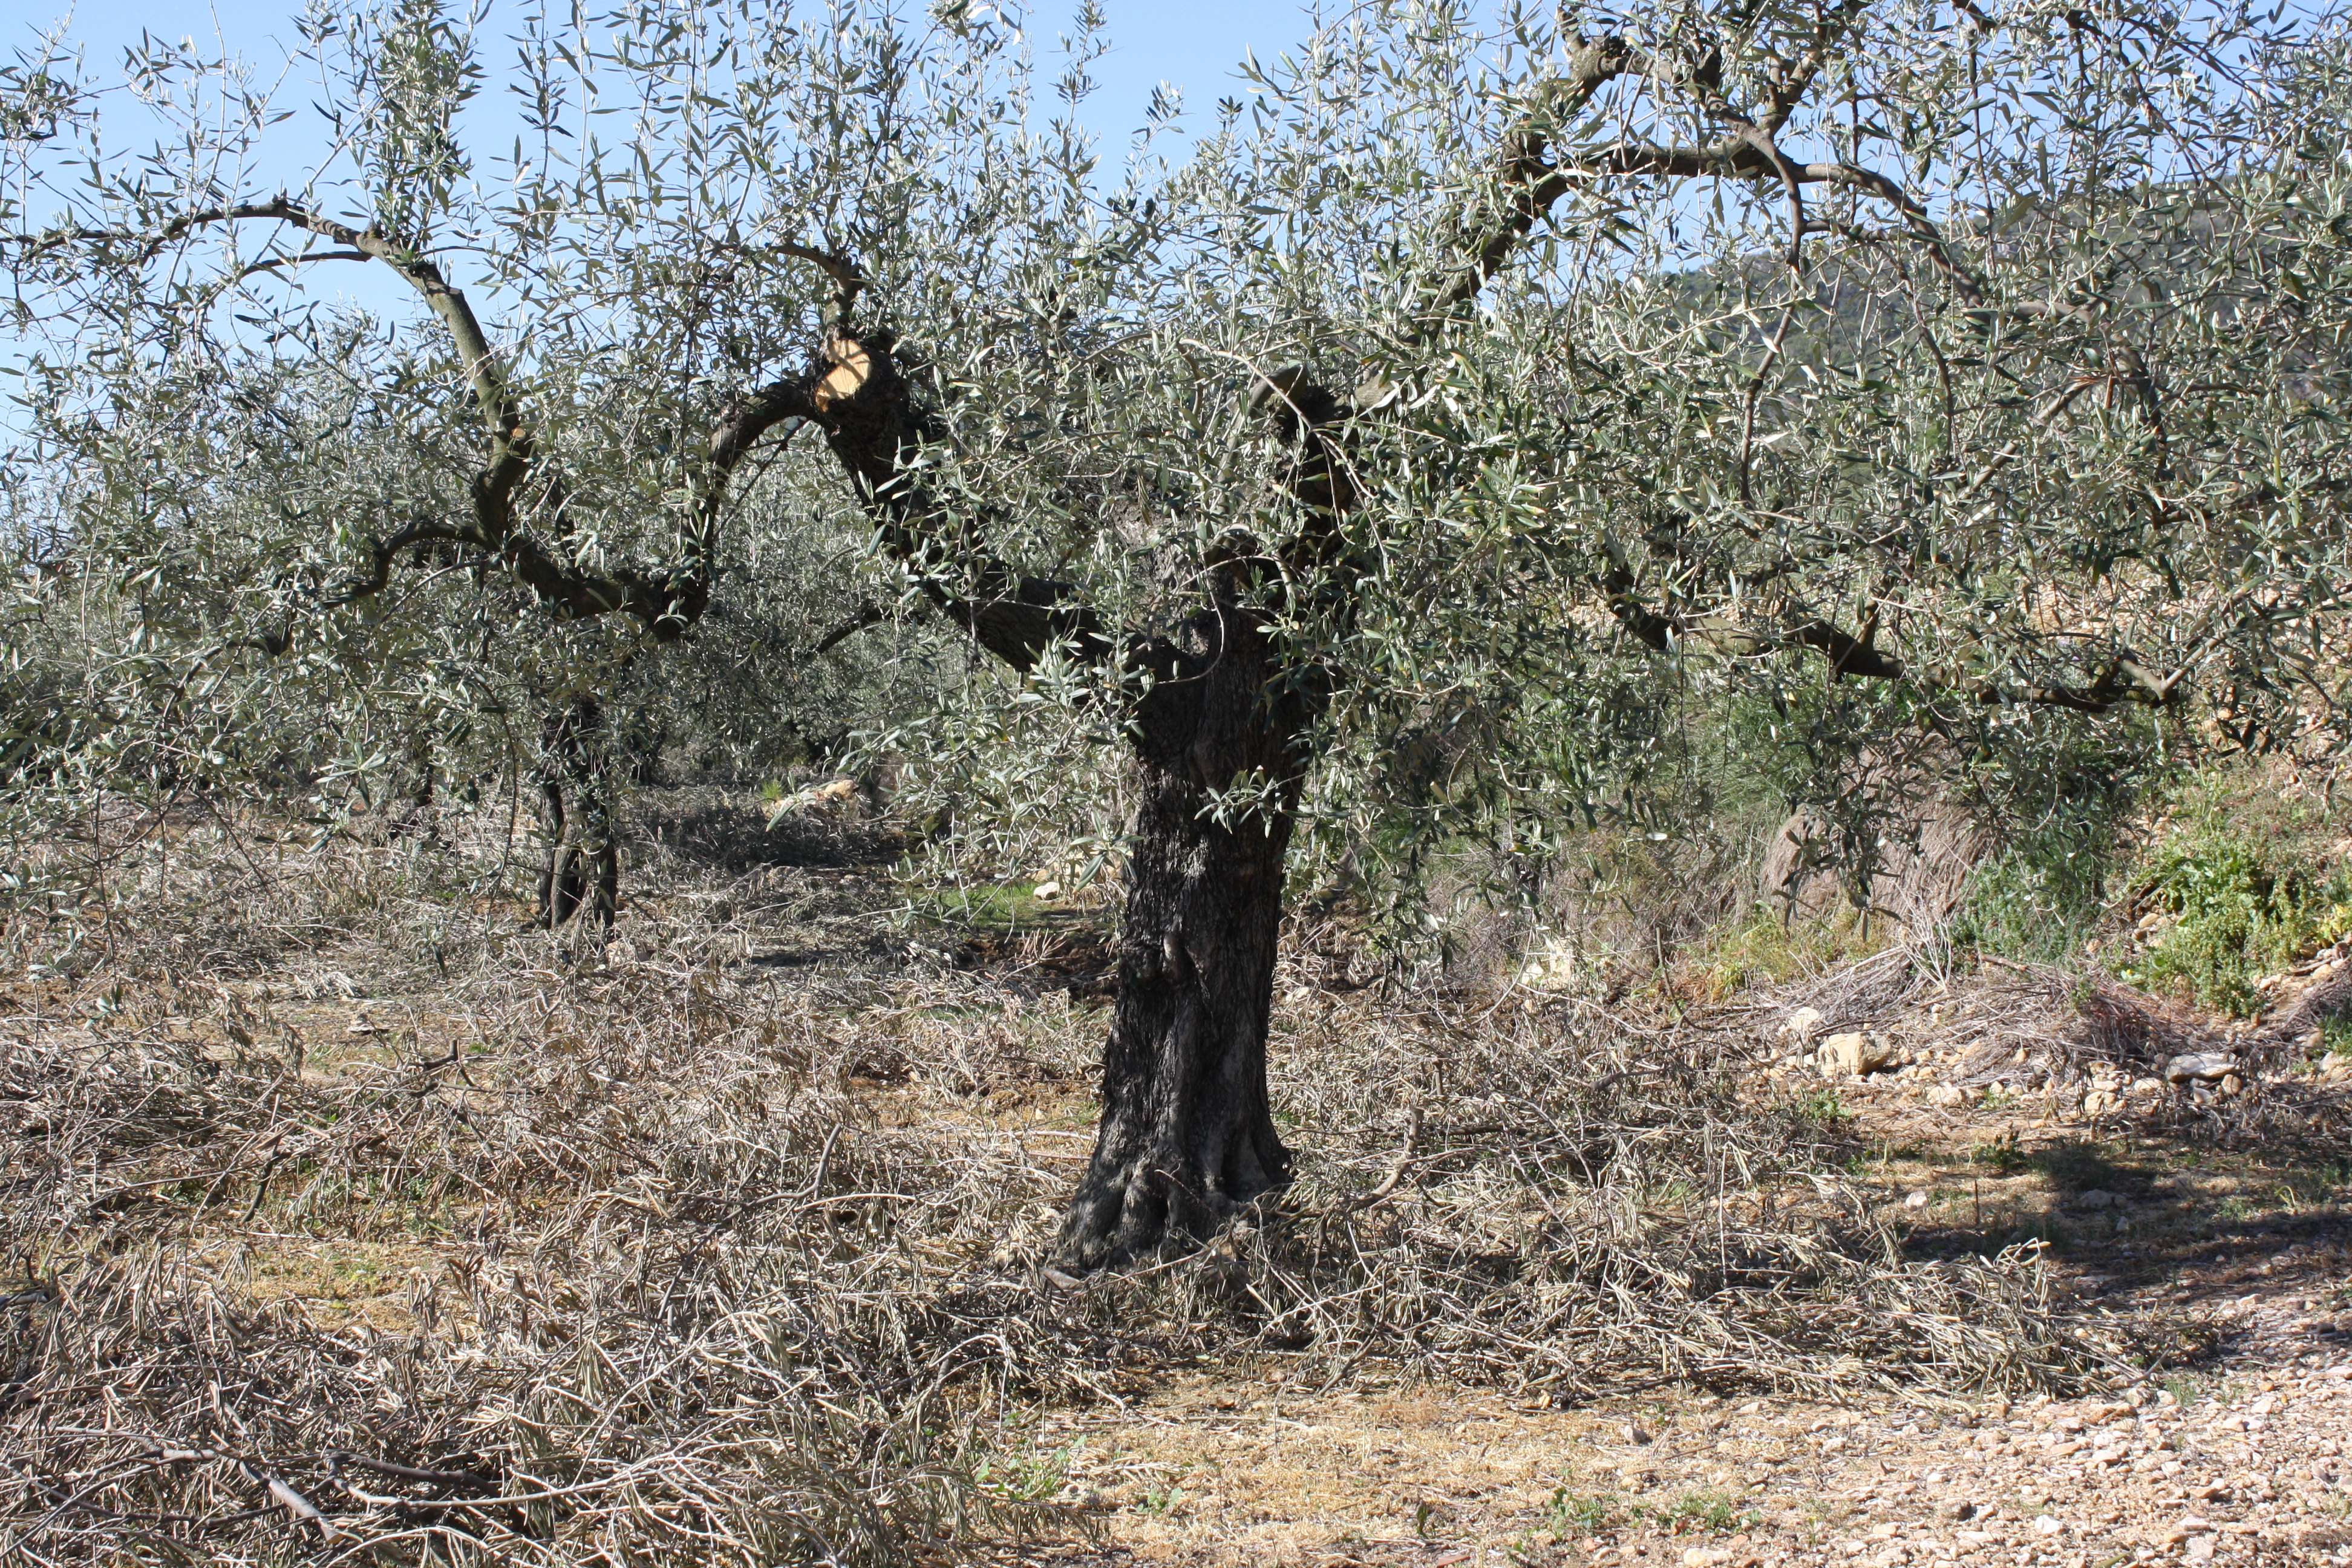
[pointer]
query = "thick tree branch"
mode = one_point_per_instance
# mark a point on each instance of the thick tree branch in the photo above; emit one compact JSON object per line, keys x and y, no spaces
{"x":1529,"y":182}
{"x":665,"y":602}
{"x":1787,"y":88}
{"x":2126,"y":679}
{"x":849,"y":282}
{"x":862,"y":402}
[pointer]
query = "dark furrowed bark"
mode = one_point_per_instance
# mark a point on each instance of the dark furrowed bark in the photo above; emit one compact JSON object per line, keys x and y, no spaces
{"x":1187,"y":1135}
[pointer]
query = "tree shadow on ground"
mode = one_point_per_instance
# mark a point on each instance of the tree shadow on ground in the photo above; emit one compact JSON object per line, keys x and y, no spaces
{"x":2178,"y":1214}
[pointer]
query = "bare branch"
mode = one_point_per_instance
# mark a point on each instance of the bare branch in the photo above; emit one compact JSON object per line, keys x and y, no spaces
{"x":868,"y":614}
{"x":274,"y":262}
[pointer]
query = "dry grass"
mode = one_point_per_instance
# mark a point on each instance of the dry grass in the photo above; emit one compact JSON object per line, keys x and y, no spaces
{"x":1567,"y":1202}
{"x":720,"y":1252}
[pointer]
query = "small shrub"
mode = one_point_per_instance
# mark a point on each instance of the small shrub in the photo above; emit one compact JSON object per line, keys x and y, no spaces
{"x":2244,"y":904}
{"x":2037,"y":900}
{"x":1822,"y":1107}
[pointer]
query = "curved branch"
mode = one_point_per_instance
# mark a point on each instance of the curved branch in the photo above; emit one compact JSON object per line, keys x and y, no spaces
{"x":664,"y":602}
{"x":1532,"y":181}
{"x":739,"y":428}
{"x":2126,"y":679}
{"x":849,"y":282}
{"x":861,"y":400}
{"x":272,"y":263}
{"x":421,"y":531}
{"x":1529,"y":181}
{"x":869,"y":614}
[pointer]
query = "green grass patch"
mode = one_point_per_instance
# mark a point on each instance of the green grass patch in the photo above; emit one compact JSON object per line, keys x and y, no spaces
{"x":1570,"y":1514}
{"x":1765,"y":950}
{"x":2242,"y":885}
{"x":1002,"y":908}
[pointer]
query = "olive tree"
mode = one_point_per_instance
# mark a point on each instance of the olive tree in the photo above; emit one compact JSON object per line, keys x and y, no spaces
{"x":1469,"y":377}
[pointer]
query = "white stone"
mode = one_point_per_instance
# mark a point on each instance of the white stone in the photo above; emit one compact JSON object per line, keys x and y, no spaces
{"x":1799,"y":1026}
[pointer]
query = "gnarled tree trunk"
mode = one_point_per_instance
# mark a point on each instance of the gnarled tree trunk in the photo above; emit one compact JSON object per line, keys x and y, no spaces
{"x":1187,"y":1135}
{"x":583,"y":857}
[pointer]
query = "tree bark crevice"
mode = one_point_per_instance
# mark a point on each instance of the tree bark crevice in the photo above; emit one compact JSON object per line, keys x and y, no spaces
{"x":1186,"y":1137}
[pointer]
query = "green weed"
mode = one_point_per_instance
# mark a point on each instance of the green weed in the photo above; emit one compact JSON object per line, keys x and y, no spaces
{"x":2247,"y":894}
{"x":1716,"y":1514}
{"x":1027,"y":1478}
{"x":1567,"y":1513}
{"x":1003,"y":908}
{"x":2002,"y":1154}
{"x":1822,"y":1106}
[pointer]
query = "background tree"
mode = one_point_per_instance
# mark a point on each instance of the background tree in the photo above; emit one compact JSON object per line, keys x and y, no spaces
{"x":1468,"y":383}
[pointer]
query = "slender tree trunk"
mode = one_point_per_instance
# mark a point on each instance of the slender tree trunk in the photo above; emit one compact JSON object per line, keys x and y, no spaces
{"x":416,"y":805}
{"x":1187,"y":1134}
{"x":584,"y":861}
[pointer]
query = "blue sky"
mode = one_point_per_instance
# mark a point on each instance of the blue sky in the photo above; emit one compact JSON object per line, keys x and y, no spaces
{"x":1192,"y":44}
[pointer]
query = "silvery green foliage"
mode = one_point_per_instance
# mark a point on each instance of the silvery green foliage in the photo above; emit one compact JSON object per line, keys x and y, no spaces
{"x":1985,"y":363}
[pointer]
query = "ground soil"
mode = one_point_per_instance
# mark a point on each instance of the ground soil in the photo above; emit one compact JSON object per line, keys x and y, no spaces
{"x":2233,"y":1453}
{"x":2235,"y":1456}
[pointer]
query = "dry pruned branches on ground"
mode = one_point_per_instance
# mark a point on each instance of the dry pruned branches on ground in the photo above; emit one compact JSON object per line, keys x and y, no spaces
{"x":2010,"y":1027}
{"x":155,"y":1410}
{"x":684,"y":1284}
{"x":1578,"y":1210}
{"x":689,"y":1258}
{"x":2054,"y":1025}
{"x":676,"y":1301}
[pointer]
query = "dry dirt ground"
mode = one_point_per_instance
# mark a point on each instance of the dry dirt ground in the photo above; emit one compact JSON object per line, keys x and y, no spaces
{"x":2235,"y":1454}
{"x":2238,"y":1456}
{"x":2240,"y":1460}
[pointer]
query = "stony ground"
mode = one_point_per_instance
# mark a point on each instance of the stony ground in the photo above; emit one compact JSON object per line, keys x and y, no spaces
{"x":2145,"y":1194}
{"x":2239,"y":1463}
{"x":2236,"y":1456}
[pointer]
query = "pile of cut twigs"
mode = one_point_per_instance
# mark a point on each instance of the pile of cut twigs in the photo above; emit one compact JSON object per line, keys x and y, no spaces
{"x":1572,"y":1204}
{"x":675,"y":1299}
{"x":687,"y":1257}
